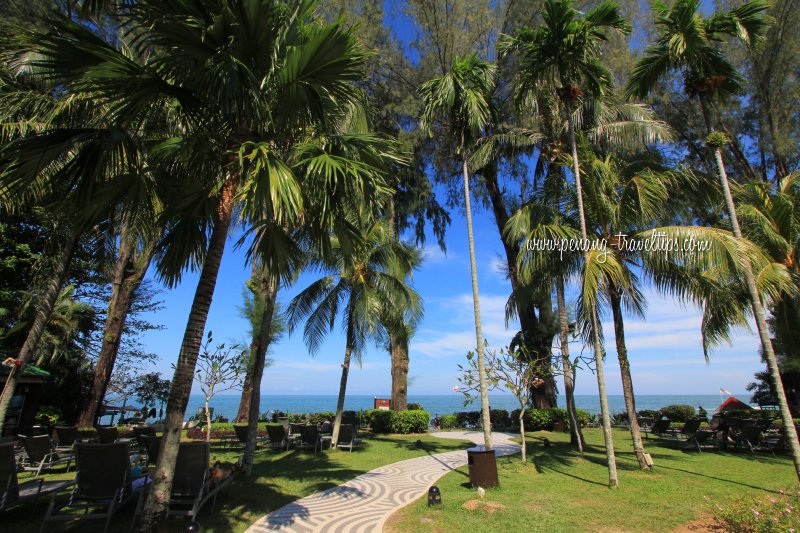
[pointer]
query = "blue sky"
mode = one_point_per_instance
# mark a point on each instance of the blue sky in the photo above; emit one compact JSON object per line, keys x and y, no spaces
{"x":665,"y":349}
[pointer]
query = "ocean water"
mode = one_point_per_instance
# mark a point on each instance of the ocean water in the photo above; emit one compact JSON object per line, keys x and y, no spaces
{"x":227,"y":405}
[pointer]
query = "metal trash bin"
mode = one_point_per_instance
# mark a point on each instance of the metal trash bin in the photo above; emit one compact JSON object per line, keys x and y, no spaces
{"x":482,"y":468}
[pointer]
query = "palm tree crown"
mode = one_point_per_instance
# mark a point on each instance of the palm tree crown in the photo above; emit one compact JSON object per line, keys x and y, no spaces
{"x":690,"y":42}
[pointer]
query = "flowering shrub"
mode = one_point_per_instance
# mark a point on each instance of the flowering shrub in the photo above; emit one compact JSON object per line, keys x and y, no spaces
{"x":762,"y":514}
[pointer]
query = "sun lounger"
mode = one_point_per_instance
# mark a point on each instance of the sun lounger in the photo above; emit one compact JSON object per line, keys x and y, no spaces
{"x":66,"y":437}
{"x":12,"y":493}
{"x":309,"y":439}
{"x":41,"y":455}
{"x":659,"y":427}
{"x":102,"y":485}
{"x":347,"y":437}
{"x":194,"y":483}
{"x":277,"y":437}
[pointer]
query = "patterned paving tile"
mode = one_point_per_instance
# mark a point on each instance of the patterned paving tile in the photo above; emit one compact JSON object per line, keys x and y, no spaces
{"x":363,"y":504}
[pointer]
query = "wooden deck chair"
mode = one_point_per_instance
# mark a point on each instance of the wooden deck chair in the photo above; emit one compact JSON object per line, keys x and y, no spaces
{"x":41,"y":455}
{"x":12,"y":493}
{"x":102,"y":485}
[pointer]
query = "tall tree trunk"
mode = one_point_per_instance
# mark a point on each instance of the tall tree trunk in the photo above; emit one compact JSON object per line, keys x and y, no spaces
{"x":398,"y":341}
{"x":348,"y":352}
{"x":129,"y":272}
{"x":268,"y":286}
{"x":537,"y":339}
{"x":157,"y":503}
{"x":758,"y":308}
{"x":576,"y":435}
{"x":625,"y":372}
{"x":208,"y":423}
{"x":611,"y":458}
{"x":522,"y":433}
{"x":247,"y":391}
{"x":41,"y":318}
{"x":485,"y":420}
{"x":398,"y":346}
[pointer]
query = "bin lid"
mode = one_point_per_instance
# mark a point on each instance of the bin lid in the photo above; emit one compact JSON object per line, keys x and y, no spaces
{"x":480,"y":448}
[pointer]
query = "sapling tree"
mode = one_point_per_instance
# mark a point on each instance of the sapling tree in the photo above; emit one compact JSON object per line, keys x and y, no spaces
{"x":509,"y":369}
{"x":219,"y":370}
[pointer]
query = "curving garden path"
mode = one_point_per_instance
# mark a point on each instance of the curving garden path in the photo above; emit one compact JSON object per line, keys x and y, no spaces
{"x":364,"y":503}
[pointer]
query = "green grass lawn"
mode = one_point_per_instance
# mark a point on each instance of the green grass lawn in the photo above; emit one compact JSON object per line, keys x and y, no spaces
{"x":279,"y":478}
{"x":559,"y":491}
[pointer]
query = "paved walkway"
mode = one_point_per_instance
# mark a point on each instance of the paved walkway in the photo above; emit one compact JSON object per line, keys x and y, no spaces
{"x":364,"y":503}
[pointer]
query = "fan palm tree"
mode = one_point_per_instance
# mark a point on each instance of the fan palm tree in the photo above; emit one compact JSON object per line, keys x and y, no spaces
{"x":461,"y":101}
{"x":688,"y":42}
{"x":564,"y":53}
{"x":368,"y":279}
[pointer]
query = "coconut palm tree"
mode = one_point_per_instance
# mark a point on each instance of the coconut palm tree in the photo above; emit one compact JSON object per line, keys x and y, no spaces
{"x":564,"y":53}
{"x":252,"y":95}
{"x":367,"y":278}
{"x":689,"y":43}
{"x":61,"y":155}
{"x":461,"y":101}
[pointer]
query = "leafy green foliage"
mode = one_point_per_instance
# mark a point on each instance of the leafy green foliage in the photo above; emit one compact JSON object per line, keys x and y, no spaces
{"x":678,"y":412}
{"x":448,"y":421}
{"x":401,"y":422}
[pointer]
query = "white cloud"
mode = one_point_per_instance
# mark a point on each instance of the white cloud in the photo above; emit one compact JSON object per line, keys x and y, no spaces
{"x":432,"y":254}
{"x":455,"y":335}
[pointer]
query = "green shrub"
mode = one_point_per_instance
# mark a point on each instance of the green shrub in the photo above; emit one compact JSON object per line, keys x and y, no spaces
{"x":650,"y":413}
{"x":678,"y":412}
{"x":400,"y":421}
{"x":757,"y":514}
{"x":367,"y":415}
{"x":467,"y":419}
{"x":319,"y":418}
{"x":381,"y":421}
{"x":500,"y":418}
{"x":414,"y":407}
{"x":218,"y":430}
{"x":448,"y":421}
{"x":297,"y":418}
{"x":49,"y":416}
{"x":415,"y":421}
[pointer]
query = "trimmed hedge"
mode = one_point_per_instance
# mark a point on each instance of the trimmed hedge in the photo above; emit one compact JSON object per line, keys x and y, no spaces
{"x":468,"y":419}
{"x":678,"y":412}
{"x":543,"y":419}
{"x":403,"y":422}
{"x":448,"y":421}
{"x":500,"y":418}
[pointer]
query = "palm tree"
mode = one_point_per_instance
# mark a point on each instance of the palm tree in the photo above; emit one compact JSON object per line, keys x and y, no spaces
{"x":368,"y":278}
{"x":688,"y":42}
{"x":461,"y":99}
{"x":61,"y":154}
{"x":564,"y":53}
{"x":243,"y":126}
